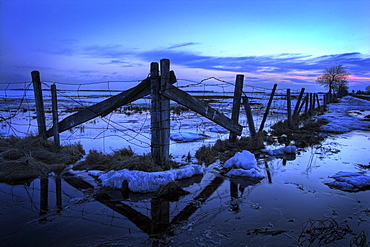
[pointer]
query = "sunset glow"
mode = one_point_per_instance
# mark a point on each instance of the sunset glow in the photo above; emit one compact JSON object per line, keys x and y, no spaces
{"x":272,"y":41}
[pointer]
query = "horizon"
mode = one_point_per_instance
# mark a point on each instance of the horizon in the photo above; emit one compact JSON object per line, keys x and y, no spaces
{"x":269,"y":42}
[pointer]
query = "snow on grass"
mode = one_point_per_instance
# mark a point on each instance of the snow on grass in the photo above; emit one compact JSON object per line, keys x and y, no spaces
{"x":143,"y":182}
{"x":339,"y":115}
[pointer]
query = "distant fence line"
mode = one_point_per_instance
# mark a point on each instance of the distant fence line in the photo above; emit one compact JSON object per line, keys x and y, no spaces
{"x":252,"y":97}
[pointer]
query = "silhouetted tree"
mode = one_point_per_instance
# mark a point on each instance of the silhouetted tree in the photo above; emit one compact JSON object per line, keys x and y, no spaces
{"x":335,"y":79}
{"x":367,"y":89}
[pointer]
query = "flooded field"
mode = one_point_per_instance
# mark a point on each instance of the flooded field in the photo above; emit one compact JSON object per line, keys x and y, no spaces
{"x":282,"y":210}
{"x":292,"y":206}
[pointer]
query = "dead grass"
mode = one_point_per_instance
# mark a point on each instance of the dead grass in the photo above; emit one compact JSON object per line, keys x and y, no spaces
{"x":31,"y":157}
{"x":121,"y":159}
{"x":225,"y":149}
{"x":302,"y":134}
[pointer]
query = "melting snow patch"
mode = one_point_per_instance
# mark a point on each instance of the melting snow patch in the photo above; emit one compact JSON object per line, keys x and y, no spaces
{"x":280,"y":151}
{"x":350,"y":181}
{"x":252,"y":173}
{"x":187,"y":136}
{"x":218,"y":129}
{"x":245,"y":164}
{"x":245,"y":160}
{"x":143,"y":182}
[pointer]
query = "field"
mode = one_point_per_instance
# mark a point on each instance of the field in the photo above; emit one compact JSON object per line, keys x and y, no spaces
{"x":292,"y":206}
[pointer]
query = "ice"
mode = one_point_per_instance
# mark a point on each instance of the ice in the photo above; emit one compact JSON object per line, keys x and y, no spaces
{"x":280,"y":151}
{"x":143,"y":182}
{"x":350,"y":181}
{"x":187,"y":136}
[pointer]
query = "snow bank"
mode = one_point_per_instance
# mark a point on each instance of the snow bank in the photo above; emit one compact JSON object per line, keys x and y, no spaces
{"x":340,"y":120}
{"x":350,"y":181}
{"x":187,"y":136}
{"x":143,"y":182}
{"x":280,"y":151}
{"x":245,"y":165}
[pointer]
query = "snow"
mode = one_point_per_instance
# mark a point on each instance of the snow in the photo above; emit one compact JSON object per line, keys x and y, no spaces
{"x":218,"y":129}
{"x":350,"y":181}
{"x":280,"y":151}
{"x":187,"y":136}
{"x":244,"y":159}
{"x":340,"y":118}
{"x":244,"y":164}
{"x":143,"y":182}
{"x":252,"y":173}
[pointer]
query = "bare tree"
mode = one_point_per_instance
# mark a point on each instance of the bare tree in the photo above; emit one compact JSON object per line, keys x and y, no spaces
{"x":367,"y":89}
{"x":334,"y":78}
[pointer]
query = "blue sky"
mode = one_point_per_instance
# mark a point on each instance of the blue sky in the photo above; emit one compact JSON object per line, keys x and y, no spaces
{"x":288,"y":42}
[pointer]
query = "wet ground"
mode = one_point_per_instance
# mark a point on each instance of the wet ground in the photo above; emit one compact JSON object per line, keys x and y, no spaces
{"x":292,"y":206}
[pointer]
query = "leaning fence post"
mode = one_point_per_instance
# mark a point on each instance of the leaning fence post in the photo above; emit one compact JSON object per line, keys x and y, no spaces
{"x":165,"y":110}
{"x":297,"y":109}
{"x":289,"y":106}
{"x":267,"y":108}
{"x":248,"y":112}
{"x":155,"y":118}
{"x":37,"y":89}
{"x":54,"y":103}
{"x":236,"y":103}
{"x":307,"y":103}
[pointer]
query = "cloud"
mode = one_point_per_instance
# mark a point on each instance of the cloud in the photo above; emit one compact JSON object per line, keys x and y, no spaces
{"x":182,"y":45}
{"x":289,"y":64}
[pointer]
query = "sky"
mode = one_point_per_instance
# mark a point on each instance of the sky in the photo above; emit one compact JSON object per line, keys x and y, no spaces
{"x":288,"y":42}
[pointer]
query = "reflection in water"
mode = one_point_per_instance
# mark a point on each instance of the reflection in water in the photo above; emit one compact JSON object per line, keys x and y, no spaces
{"x":215,"y":202}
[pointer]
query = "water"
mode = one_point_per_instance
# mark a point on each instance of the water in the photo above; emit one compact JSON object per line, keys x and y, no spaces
{"x":62,"y":211}
{"x":219,"y":211}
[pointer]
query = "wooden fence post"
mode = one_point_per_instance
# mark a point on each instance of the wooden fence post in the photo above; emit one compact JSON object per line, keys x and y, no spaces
{"x":317,"y":100}
{"x":307,"y":103}
{"x":165,"y":110}
{"x":312,"y":103}
{"x":267,"y":108}
{"x":37,"y":89}
{"x":236,"y":103}
{"x":54,"y":103}
{"x":248,"y":112}
{"x":289,"y":106}
{"x":155,"y":119}
{"x":297,"y":109}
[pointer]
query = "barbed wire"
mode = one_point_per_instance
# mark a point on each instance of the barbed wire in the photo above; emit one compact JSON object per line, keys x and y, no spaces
{"x":16,"y":105}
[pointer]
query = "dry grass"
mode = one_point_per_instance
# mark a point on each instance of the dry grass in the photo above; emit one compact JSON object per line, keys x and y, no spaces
{"x":121,"y":159}
{"x":299,"y":134}
{"x":31,"y":157}
{"x":225,"y":149}
{"x":302,"y":133}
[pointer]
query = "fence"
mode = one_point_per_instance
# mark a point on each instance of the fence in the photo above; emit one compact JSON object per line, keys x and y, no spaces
{"x":219,"y":100}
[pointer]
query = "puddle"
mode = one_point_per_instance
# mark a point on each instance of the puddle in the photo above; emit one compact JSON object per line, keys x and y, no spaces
{"x":219,"y":211}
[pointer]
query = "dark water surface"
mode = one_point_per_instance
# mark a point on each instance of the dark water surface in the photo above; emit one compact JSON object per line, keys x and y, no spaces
{"x":292,"y":206}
